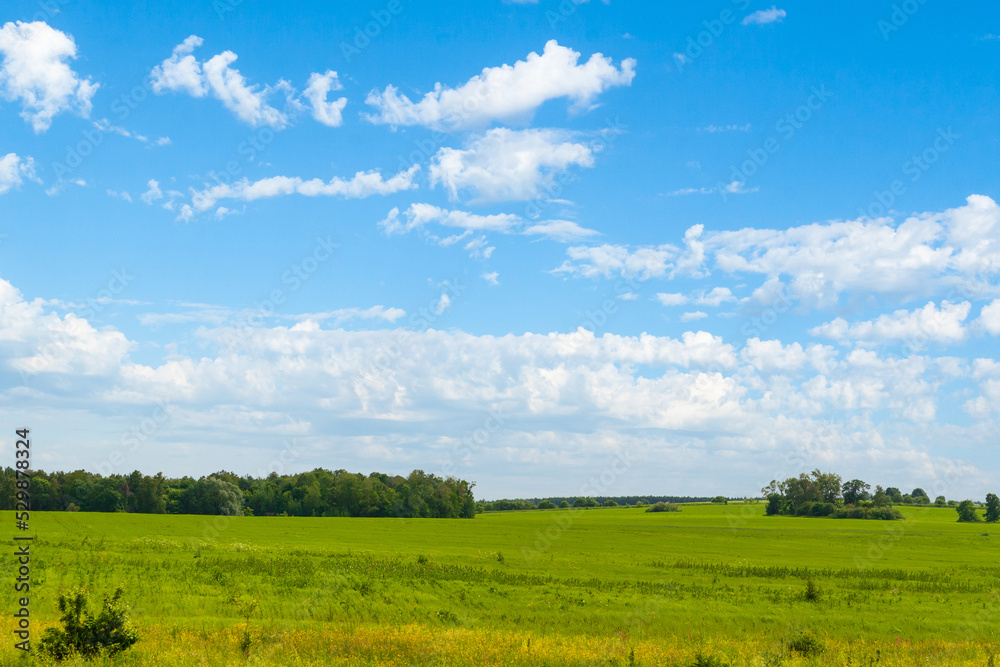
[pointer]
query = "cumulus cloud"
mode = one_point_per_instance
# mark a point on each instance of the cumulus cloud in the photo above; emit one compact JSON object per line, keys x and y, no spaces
{"x":673,"y":299}
{"x":765,"y":16}
{"x":14,"y":170}
{"x":716,"y":297}
{"x":565,"y":396}
{"x":924,"y":255}
{"x":182,"y":72}
{"x":989,"y":317}
{"x":419,"y":215}
{"x":607,"y":260}
{"x":318,"y":88}
{"x":930,"y":323}
{"x":506,"y":165}
{"x":505,"y":92}
{"x":363,"y":184}
{"x":564,"y":231}
{"x":35,"y":71}
{"x":342,"y":315}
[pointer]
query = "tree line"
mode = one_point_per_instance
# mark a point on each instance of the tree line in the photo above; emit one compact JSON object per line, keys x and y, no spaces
{"x":824,"y":494}
{"x":508,"y":504}
{"x":317,"y":493}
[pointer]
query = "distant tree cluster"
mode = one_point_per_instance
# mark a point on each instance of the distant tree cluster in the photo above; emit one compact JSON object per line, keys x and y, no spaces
{"x":822,"y":494}
{"x":506,"y":505}
{"x":967,"y":510}
{"x":316,"y":493}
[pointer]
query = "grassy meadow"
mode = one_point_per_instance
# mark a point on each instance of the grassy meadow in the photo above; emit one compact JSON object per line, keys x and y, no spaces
{"x":597,"y":587}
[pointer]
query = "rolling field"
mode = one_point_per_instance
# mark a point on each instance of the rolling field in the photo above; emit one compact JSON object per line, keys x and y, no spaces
{"x":604,"y":587}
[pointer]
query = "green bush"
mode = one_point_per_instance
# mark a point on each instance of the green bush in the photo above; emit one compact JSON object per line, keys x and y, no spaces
{"x":807,"y":644}
{"x":546,"y":505}
{"x":663,"y":507}
{"x":701,"y":660}
{"x":812,"y":591}
{"x":108,"y":633}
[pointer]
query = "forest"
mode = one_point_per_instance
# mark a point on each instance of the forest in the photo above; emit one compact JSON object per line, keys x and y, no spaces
{"x":317,"y":493}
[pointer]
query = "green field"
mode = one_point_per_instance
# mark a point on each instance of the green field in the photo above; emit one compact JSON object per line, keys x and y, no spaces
{"x":603,"y":586}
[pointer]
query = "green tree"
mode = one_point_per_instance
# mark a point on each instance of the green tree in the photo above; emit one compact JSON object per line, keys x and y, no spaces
{"x":967,"y":512}
{"x":880,"y":498}
{"x":941,"y":501}
{"x":920,"y":496}
{"x":564,"y":504}
{"x":720,"y":500}
{"x":855,"y":491}
{"x":992,"y":508}
{"x":895,"y":495}
{"x":546,"y":505}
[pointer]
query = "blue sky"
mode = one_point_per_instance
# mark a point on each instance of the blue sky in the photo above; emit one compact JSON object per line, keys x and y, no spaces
{"x":554,"y":248}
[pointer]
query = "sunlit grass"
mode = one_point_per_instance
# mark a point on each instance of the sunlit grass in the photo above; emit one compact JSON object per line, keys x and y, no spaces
{"x":591,"y":587}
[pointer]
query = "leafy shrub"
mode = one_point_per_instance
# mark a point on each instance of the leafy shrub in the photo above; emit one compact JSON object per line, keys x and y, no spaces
{"x":109,"y":632}
{"x":822,"y":509}
{"x":807,"y":644}
{"x":967,"y":512}
{"x":663,"y":507}
{"x":720,"y":500}
{"x":701,"y":660}
{"x":546,"y":505}
{"x":812,"y":591}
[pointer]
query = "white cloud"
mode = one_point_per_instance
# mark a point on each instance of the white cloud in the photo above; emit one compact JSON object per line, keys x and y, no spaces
{"x":765,"y":16}
{"x":693,"y":316}
{"x":564,"y":231}
{"x":152,"y":193}
{"x":36,"y":71}
{"x":930,"y":323}
{"x":342,"y":315}
{"x":989,"y":317}
{"x":671,"y":299}
{"x":317,"y":89}
{"x":492,"y":278}
{"x":572,"y":397}
{"x":363,"y":184}
{"x":14,"y":170}
{"x":956,"y":251}
{"x":442,"y":304}
{"x":419,"y":215}
{"x":505,"y":92}
{"x":771,"y":355}
{"x":35,"y":341}
{"x":506,"y":165}
{"x":182,"y":72}
{"x":716,"y":297}
{"x":607,"y":260}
